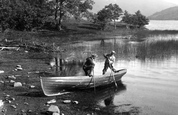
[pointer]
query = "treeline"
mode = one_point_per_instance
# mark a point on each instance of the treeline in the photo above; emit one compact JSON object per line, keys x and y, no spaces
{"x":113,"y":12}
{"x":37,"y":14}
{"x":29,"y":14}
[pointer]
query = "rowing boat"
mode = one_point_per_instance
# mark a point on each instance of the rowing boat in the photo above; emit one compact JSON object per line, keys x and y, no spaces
{"x":52,"y":85}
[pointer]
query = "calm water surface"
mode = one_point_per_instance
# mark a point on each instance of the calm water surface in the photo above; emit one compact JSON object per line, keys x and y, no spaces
{"x":151,"y":81}
{"x":162,"y":25}
{"x":148,"y":88}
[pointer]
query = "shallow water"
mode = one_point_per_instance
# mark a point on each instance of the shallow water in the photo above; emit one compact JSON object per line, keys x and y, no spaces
{"x":162,"y":25}
{"x":151,"y":80}
{"x":148,"y":88}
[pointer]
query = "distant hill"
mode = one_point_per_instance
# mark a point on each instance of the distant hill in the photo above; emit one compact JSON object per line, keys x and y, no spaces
{"x":167,"y":14}
{"x":147,"y":7}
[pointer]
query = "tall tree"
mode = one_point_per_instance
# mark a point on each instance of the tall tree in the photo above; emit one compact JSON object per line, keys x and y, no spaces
{"x":22,"y":14}
{"x":138,"y":20}
{"x":115,"y":11}
{"x":109,"y":13}
{"x":71,"y":8}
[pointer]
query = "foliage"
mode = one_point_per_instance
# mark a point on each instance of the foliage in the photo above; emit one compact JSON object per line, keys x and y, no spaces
{"x":137,"y":20}
{"x":22,"y":14}
{"x":69,"y":8}
{"x":29,"y":14}
{"x":108,"y":13}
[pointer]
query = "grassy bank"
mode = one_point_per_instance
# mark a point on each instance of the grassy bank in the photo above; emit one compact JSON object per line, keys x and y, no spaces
{"x":73,"y":31}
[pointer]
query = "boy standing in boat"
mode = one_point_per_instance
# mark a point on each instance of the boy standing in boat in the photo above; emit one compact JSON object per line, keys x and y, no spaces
{"x":110,"y":59}
{"x":89,"y":65}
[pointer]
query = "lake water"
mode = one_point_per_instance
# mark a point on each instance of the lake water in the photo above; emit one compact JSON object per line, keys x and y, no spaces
{"x":151,"y":81}
{"x":148,"y":88}
{"x":162,"y":25}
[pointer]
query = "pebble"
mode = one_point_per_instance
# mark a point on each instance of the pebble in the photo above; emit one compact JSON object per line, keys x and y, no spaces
{"x":75,"y":102}
{"x":55,"y":114}
{"x":1,"y":71}
{"x":54,"y":109}
{"x":1,"y":103}
{"x":7,"y":95}
{"x":17,"y":84}
{"x":25,"y":103}
{"x":1,"y":81}
{"x":18,"y":68}
{"x":29,"y":111}
{"x":13,"y":106}
{"x":67,"y":101}
{"x":11,"y":77}
{"x":12,"y":81}
{"x":32,"y":86}
{"x":51,"y":101}
{"x":9,"y":101}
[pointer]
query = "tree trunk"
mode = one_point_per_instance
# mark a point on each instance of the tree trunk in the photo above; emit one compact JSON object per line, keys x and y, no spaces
{"x":56,"y":14}
{"x":114,"y":24}
{"x":61,"y":14}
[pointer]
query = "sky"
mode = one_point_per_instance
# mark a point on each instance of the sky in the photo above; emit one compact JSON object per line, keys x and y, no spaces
{"x":147,"y":7}
{"x":172,"y":1}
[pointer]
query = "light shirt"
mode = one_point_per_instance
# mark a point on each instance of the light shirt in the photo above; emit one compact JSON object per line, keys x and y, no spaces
{"x":112,"y":59}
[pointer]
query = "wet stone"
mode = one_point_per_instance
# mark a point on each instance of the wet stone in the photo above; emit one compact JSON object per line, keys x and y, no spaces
{"x":51,"y":101}
{"x":54,"y":109}
{"x":17,"y":84}
{"x":14,"y":106}
{"x":29,"y":111}
{"x":31,"y":86}
{"x":12,"y":81}
{"x":11,"y":77}
{"x":55,"y":114}
{"x":67,"y":101}
{"x":75,"y":102}
{"x":25,"y":103}
{"x":1,"y":81}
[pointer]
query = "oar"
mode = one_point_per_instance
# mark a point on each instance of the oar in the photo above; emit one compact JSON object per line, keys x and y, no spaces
{"x":113,"y":78}
{"x":93,"y":80}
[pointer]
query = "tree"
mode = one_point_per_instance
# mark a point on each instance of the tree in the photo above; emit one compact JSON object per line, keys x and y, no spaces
{"x":115,"y":11}
{"x":103,"y":17}
{"x":70,"y":8}
{"x":23,"y":14}
{"x":28,"y":14}
{"x":138,"y":20}
{"x":109,"y":13}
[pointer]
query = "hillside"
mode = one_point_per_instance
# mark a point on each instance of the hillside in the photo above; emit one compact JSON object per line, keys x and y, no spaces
{"x":167,"y":14}
{"x":147,"y":7}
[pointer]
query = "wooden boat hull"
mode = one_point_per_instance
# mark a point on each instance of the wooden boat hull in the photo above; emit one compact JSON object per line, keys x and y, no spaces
{"x":52,"y":85}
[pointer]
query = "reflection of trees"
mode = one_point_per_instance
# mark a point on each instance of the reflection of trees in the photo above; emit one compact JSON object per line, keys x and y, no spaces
{"x":72,"y":68}
{"x":159,"y":50}
{"x":126,"y":50}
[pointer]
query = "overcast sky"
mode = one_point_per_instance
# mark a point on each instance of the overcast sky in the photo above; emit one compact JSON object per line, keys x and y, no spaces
{"x":172,"y":1}
{"x":147,"y":7}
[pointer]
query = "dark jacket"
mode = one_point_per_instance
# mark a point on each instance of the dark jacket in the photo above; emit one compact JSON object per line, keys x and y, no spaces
{"x":89,"y":62}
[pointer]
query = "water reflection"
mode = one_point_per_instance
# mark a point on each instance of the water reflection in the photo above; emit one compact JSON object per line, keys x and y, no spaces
{"x":90,"y":99}
{"x":109,"y":101}
{"x":151,"y":50}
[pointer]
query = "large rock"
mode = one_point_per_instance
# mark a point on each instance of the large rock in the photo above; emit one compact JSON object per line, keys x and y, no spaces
{"x":17,"y":84}
{"x":54,"y":109}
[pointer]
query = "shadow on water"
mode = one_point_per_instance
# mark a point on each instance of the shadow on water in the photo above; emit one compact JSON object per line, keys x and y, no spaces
{"x":89,"y":99}
{"x":33,"y":94}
